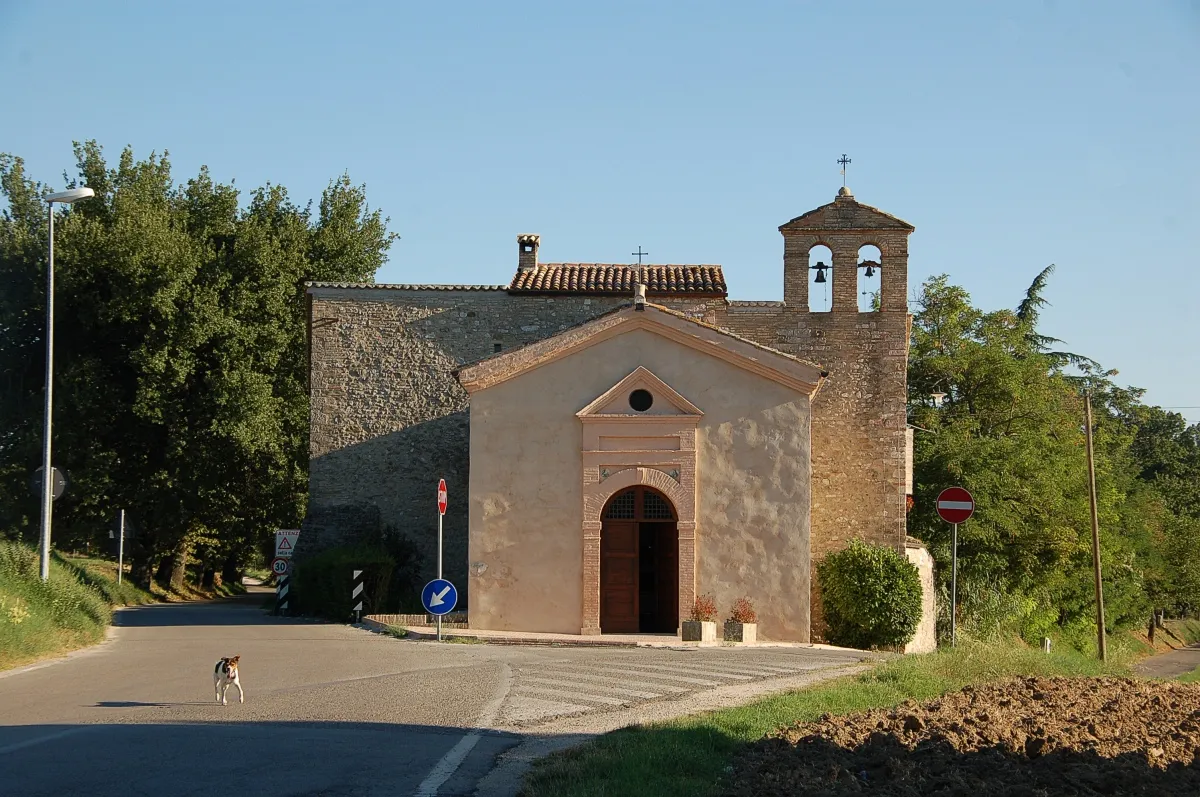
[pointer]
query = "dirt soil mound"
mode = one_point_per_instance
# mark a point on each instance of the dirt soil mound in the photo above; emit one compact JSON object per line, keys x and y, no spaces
{"x":1031,"y":736}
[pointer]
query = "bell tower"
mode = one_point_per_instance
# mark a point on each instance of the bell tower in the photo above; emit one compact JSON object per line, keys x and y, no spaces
{"x":846,"y":226}
{"x":859,"y":441}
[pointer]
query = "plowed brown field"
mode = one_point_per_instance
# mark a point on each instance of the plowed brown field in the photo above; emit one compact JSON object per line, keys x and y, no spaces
{"x":1030,"y":736}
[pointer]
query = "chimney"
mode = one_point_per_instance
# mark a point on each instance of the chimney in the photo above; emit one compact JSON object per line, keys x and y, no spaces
{"x":527,"y":246}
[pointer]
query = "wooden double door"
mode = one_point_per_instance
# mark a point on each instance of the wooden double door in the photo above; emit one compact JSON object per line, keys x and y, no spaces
{"x":639,"y":564}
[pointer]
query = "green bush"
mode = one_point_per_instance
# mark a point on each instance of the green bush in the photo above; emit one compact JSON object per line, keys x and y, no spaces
{"x":322,"y":582}
{"x":40,"y":618}
{"x":871,"y":595}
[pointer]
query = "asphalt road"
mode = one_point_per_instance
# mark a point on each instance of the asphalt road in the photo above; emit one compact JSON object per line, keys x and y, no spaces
{"x":1171,"y":665}
{"x":330,"y":709}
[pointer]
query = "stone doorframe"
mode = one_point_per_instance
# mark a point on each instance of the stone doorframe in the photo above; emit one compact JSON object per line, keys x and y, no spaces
{"x":671,"y":473}
{"x":595,"y":497}
{"x":622,"y":449}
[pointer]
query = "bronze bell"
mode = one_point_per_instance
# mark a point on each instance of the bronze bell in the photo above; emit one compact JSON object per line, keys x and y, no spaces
{"x":820,"y":272}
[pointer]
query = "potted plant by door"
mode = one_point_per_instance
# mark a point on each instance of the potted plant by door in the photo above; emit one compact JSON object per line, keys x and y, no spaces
{"x":701,"y":625}
{"x":742,"y":625}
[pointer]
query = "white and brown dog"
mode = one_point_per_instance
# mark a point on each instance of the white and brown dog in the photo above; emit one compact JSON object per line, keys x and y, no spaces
{"x":225,"y":674}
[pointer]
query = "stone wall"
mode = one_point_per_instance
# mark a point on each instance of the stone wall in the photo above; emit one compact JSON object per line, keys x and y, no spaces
{"x":858,"y":421}
{"x":925,"y":638}
{"x":388,"y":417}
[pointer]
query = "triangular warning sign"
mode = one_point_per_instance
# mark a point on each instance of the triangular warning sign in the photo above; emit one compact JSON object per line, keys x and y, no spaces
{"x":284,"y":545}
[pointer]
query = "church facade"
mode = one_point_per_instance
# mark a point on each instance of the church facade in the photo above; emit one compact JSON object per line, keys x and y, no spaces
{"x":617,"y":441}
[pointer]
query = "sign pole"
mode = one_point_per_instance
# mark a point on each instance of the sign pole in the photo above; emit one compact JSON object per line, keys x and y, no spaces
{"x":1101,"y":645}
{"x":954,"y":585}
{"x":438,"y":599}
{"x":954,"y":505}
{"x":121,"y":549}
{"x":439,"y":617}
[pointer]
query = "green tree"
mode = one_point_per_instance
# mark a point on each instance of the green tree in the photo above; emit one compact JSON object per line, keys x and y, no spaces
{"x":1010,"y":431}
{"x":180,"y":352}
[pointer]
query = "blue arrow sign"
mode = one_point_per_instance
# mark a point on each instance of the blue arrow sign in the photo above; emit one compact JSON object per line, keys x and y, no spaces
{"x":439,"y":597}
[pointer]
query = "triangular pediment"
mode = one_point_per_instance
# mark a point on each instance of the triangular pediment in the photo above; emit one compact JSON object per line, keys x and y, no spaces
{"x":618,"y":401}
{"x":768,"y":363}
{"x":845,"y":213}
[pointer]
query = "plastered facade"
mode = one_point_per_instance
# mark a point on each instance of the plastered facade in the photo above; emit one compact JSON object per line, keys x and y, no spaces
{"x":728,"y":447}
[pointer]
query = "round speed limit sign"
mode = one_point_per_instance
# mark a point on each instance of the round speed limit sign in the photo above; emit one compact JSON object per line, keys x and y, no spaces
{"x":280,"y":566}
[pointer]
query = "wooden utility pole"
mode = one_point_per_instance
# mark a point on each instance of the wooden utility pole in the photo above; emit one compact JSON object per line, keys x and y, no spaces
{"x":1103,"y":647}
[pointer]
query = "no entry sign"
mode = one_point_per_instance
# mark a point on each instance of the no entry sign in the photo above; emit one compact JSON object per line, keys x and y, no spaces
{"x":955,"y":505}
{"x":441,"y":496}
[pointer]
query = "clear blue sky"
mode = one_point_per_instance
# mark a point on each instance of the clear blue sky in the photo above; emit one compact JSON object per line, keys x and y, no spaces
{"x":1011,"y":136}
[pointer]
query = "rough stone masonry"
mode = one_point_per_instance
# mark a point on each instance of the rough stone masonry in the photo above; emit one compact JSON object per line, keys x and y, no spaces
{"x":388,"y":418}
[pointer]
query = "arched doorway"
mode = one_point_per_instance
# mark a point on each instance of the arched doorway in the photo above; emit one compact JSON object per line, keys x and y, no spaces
{"x":639,"y":563}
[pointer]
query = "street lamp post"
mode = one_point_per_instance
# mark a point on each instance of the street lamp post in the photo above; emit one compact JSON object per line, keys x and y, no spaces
{"x":64,"y":198}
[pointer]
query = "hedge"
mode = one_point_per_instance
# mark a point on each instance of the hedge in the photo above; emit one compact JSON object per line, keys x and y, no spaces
{"x":871,"y":595}
{"x":322,"y":583}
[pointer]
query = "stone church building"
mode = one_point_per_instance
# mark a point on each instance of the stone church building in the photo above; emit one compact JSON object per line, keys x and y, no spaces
{"x":616,"y":440}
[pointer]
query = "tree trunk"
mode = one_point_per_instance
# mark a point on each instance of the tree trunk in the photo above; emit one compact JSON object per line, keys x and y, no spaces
{"x":163,"y":573}
{"x":231,"y":572}
{"x":141,"y":572}
{"x":179,"y":563}
{"x":208,"y":579}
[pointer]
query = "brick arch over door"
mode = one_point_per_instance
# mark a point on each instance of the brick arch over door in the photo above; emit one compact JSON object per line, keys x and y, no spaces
{"x":596,"y":496}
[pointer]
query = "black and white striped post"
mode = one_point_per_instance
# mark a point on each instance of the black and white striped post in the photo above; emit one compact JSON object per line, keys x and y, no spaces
{"x":356,"y":595}
{"x":281,"y":593}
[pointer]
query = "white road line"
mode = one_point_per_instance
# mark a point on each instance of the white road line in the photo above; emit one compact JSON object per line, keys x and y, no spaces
{"x":660,"y":676}
{"x":50,"y":737}
{"x":589,"y":685}
{"x":786,"y":667}
{"x":760,"y":672}
{"x":579,"y":674}
{"x":558,"y":694}
{"x":444,"y":769}
{"x":745,"y":669}
{"x":692,"y":670}
{"x":795,"y":669}
{"x":447,"y":766}
{"x":751,"y":666}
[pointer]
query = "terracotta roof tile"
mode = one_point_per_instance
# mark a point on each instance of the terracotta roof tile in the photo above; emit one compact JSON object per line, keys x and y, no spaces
{"x":404,"y":286}
{"x":606,"y":278}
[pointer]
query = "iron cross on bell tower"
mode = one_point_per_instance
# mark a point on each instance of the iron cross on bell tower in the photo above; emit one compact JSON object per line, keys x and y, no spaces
{"x":844,"y":161}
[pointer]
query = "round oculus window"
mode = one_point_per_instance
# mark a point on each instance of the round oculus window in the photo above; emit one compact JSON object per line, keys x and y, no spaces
{"x":641,"y":400}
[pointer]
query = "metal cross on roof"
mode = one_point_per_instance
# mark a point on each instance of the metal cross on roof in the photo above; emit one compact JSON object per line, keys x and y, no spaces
{"x":844,"y":161}
{"x":641,"y":278}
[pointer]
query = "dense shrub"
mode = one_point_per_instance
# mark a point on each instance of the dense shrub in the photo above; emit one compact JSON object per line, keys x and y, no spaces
{"x":404,"y":591}
{"x":871,"y":595}
{"x":322,"y":582}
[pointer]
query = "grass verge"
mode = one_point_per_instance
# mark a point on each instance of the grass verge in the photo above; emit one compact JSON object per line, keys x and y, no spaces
{"x":1190,"y":677}
{"x":1186,"y":630}
{"x":71,"y":610}
{"x":688,"y":756}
